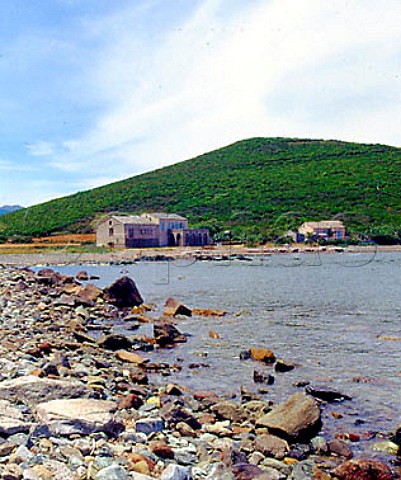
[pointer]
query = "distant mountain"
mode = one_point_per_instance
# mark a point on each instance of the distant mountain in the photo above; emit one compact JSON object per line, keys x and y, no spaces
{"x":253,"y":188}
{"x":9,"y":208}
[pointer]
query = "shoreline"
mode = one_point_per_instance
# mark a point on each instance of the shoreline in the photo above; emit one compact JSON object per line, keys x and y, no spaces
{"x":77,"y":406}
{"x":222,"y":253}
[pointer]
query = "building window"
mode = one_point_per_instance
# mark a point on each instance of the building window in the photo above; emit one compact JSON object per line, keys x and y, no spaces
{"x":162,"y":225}
{"x":111,"y":232}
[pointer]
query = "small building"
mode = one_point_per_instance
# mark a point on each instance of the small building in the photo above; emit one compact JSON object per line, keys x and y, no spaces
{"x":149,"y":230}
{"x":325,"y":229}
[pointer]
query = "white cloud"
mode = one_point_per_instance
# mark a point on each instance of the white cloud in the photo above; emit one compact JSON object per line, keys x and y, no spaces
{"x":277,"y":68}
{"x":41,"y":149}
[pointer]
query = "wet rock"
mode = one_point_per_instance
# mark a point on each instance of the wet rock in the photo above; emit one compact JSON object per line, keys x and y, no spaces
{"x":114,"y":342}
{"x":83,"y":416}
{"x":262,"y":355}
{"x":271,"y":445}
{"x":326,"y":394}
{"x":82,"y":275}
{"x":282,"y":367}
{"x":363,"y":469}
{"x":32,"y":390}
{"x":263,"y":377}
{"x":123,"y":293}
{"x":174,"y":307}
{"x":167,"y":334}
{"x":298,"y":419}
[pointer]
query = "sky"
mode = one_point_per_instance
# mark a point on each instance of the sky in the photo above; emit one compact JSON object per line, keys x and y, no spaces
{"x":94,"y":91}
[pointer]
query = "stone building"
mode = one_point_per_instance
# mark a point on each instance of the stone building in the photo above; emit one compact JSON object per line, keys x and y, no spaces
{"x":149,"y":230}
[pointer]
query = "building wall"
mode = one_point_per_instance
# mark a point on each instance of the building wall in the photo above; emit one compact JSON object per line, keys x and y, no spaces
{"x":141,"y":236}
{"x":110,"y":233}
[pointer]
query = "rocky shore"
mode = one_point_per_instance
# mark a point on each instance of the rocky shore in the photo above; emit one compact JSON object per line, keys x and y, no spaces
{"x":79,"y":401}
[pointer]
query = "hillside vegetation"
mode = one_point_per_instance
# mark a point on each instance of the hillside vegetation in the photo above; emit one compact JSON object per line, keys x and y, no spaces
{"x":256,"y":188}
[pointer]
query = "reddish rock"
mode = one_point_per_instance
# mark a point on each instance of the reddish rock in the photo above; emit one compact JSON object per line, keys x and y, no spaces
{"x":174,"y":307}
{"x":282,"y":366}
{"x":82,"y":275}
{"x":262,"y":355}
{"x":45,"y":347}
{"x":204,"y":394}
{"x":162,"y":450}
{"x":138,"y":376}
{"x":123,"y":293}
{"x":130,"y":401}
{"x":363,"y":469}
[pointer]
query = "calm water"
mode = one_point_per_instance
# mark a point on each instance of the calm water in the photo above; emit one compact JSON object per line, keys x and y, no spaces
{"x":325,"y":313}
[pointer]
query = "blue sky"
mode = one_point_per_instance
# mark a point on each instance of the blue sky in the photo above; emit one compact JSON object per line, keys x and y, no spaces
{"x":93,"y":91}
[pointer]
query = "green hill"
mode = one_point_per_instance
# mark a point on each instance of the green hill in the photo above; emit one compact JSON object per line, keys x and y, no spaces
{"x":249,"y":187}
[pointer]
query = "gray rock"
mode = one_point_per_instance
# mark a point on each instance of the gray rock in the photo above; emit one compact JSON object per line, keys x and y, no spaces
{"x":176,"y":472}
{"x":219,"y":471}
{"x":302,"y":471}
{"x":32,"y":390}
{"x":149,"y":425}
{"x":113,"y":472}
{"x":12,"y":419}
{"x":297,"y":419}
{"x":83,"y":416}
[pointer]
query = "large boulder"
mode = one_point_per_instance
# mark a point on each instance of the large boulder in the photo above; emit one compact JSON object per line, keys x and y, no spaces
{"x":362,"y":469}
{"x":79,"y":415}
{"x":296,"y":420}
{"x":123,"y":293}
{"x":31,"y":390}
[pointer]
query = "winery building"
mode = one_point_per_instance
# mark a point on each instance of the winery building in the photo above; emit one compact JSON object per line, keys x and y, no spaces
{"x":149,"y":230}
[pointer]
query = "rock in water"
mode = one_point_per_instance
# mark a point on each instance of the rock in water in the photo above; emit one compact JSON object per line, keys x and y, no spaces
{"x":123,"y":293}
{"x":298,"y":419}
{"x":361,"y":469}
{"x":326,"y":394}
{"x":174,"y":307}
